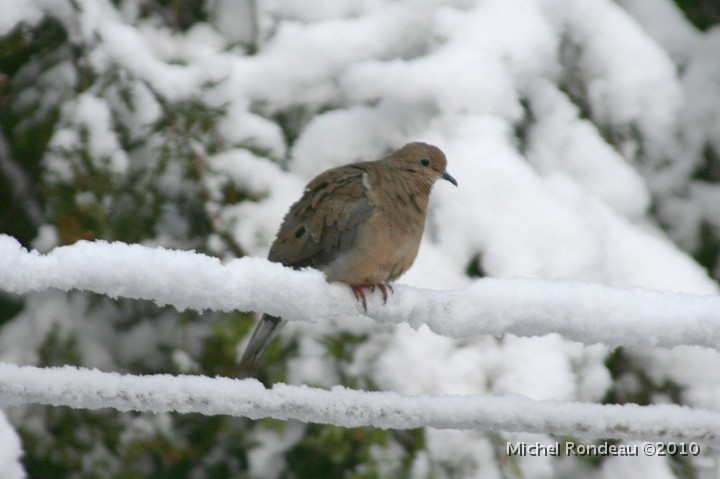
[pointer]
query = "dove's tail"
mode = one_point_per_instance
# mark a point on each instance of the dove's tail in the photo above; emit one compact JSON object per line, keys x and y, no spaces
{"x":265,"y":330}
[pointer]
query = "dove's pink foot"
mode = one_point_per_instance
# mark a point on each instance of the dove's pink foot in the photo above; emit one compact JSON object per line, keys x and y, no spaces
{"x":359,"y":292}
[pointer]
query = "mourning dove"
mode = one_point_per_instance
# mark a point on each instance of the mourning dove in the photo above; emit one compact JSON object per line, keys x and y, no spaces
{"x":360,"y":224}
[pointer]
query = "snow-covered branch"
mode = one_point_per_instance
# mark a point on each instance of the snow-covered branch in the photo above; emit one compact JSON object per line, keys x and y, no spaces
{"x":586,"y":312}
{"x":92,"y":389}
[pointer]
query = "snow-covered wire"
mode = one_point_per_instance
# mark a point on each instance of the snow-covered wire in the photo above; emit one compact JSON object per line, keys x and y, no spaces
{"x":585,"y":312}
{"x":93,"y":389}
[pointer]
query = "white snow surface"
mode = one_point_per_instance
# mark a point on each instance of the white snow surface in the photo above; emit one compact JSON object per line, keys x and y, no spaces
{"x":10,"y":451}
{"x":16,"y":11}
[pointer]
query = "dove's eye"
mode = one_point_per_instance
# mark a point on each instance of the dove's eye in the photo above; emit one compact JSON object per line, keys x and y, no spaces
{"x":425,"y":162}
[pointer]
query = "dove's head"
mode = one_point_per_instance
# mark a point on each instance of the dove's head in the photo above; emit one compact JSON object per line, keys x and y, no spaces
{"x":427,"y":161}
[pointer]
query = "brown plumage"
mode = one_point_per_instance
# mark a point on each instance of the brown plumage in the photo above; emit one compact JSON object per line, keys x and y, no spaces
{"x":360,"y":224}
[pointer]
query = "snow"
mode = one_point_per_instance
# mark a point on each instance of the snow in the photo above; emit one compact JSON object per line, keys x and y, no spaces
{"x":254,"y":225}
{"x":620,"y":60}
{"x":647,"y":466}
{"x":561,"y":143}
{"x":124,"y":45}
{"x":587,"y":312}
{"x":664,"y":21}
{"x":10,"y":451}
{"x":93,"y":389}
{"x":370,"y":132}
{"x":16,"y":12}
{"x":86,"y":122}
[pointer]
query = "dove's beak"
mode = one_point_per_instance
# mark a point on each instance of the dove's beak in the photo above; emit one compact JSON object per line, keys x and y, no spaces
{"x":447,"y":176}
